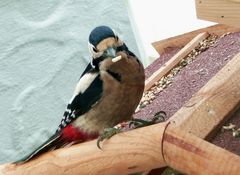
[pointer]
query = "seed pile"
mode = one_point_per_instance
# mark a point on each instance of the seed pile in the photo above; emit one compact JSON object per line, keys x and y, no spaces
{"x":232,"y":128}
{"x":166,"y":81}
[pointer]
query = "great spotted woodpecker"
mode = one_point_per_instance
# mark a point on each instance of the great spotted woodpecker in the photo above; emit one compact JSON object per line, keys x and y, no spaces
{"x":106,"y":94}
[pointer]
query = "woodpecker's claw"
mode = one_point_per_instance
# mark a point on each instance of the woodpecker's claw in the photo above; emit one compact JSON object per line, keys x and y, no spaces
{"x":107,"y":134}
{"x":158,"y":117}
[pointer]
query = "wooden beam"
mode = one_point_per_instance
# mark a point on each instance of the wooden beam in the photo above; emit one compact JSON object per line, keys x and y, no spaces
{"x":182,"y":40}
{"x":131,"y":152}
{"x":213,"y":103}
{"x":220,"y":11}
{"x":125,"y":153}
{"x":156,"y":76}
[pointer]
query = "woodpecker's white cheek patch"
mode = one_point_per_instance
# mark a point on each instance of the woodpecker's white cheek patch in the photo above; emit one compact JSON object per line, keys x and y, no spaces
{"x":94,"y":54}
{"x":84,"y":83}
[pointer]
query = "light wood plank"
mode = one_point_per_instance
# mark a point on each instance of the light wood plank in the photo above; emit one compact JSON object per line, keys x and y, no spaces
{"x":213,"y":103}
{"x":238,"y":1}
{"x":182,"y":40}
{"x":156,"y":76}
{"x":220,"y":11}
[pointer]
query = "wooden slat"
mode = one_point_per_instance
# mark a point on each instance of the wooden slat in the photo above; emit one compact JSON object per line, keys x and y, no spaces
{"x":220,"y":11}
{"x":156,"y":76}
{"x":234,"y":1}
{"x":182,"y":40}
{"x":213,"y":103}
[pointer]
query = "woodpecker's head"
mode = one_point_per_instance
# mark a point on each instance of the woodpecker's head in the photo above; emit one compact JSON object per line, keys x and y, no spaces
{"x":103,"y":41}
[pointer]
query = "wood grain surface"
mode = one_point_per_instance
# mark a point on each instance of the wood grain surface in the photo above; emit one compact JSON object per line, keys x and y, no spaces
{"x":212,"y":104}
{"x":183,"y":39}
{"x":220,"y":11}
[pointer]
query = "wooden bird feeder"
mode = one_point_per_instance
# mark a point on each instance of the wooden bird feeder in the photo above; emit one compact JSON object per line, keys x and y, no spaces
{"x":178,"y":142}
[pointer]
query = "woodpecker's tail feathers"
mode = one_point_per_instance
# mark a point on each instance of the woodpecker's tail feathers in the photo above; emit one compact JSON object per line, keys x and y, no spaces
{"x":67,"y":118}
{"x":52,"y":143}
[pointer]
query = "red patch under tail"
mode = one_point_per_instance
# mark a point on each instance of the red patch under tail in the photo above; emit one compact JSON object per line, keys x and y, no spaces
{"x":70,"y":134}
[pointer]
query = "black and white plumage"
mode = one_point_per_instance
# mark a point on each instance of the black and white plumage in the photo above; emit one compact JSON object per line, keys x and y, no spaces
{"x":87,"y":92}
{"x":106,"y":94}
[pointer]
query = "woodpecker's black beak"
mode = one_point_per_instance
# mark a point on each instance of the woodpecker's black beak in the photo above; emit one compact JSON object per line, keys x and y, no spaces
{"x":111,"y":52}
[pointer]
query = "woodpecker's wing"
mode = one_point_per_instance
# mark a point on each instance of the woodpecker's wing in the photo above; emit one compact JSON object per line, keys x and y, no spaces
{"x":87,"y":93}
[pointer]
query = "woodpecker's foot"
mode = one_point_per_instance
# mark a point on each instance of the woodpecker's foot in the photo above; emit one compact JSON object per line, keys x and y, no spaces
{"x":158,"y":117}
{"x":137,"y":123}
{"x":109,"y":132}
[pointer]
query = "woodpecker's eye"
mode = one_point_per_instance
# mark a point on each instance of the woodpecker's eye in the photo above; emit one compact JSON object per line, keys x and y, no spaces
{"x":116,"y":37}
